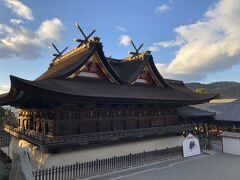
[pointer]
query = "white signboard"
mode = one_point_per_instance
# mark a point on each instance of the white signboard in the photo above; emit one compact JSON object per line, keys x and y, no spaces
{"x":191,"y":146}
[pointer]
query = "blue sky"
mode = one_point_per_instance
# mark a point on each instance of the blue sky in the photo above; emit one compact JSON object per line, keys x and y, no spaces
{"x":189,"y":39}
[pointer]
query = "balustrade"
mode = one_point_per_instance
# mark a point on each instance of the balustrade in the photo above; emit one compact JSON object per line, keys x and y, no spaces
{"x":41,"y":139}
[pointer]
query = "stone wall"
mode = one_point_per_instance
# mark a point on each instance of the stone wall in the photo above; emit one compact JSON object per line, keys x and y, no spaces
{"x":21,"y":167}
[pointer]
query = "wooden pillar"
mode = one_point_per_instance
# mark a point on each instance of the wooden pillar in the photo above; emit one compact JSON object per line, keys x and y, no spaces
{"x":43,"y":127}
{"x":218,"y":128}
{"x":125,"y":117}
{"x":43,"y":121}
{"x":151,"y":117}
{"x":206,"y":128}
{"x":198,"y":126}
{"x":98,"y":119}
{"x":112,"y":120}
{"x":138,"y":120}
{"x":34,"y":125}
{"x":24,"y":123}
{"x":22,"y":120}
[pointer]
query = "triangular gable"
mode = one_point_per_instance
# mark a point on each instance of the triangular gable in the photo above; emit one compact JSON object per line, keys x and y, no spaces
{"x":93,"y":68}
{"x":90,"y":69}
{"x":147,"y":77}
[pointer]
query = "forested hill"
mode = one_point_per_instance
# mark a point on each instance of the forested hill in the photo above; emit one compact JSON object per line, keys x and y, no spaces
{"x":225,"y":89}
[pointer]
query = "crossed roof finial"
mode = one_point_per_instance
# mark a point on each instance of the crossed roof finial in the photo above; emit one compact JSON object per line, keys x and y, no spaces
{"x":136,"y":49}
{"x":58,"y":54}
{"x":86,"y":38}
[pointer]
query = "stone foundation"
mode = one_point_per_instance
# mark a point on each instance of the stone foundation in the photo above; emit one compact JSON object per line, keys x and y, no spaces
{"x":21,"y":167}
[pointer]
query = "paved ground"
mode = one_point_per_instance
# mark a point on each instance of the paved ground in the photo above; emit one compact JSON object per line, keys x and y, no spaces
{"x":215,"y":166}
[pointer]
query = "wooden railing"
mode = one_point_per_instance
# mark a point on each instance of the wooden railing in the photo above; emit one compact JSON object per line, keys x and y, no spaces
{"x":4,"y":141}
{"x":114,"y":135}
{"x":85,"y":169}
{"x":30,"y":136}
{"x":80,"y":139}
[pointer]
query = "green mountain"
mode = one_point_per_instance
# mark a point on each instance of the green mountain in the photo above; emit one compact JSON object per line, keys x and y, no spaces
{"x":226,"y":89}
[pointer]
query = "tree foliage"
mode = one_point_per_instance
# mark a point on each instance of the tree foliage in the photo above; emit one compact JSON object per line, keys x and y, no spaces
{"x":6,"y":115}
{"x":224,"y":89}
{"x":201,"y":91}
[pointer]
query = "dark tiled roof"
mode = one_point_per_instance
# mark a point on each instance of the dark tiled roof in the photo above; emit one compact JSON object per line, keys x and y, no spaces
{"x":188,"y":111}
{"x":128,"y":70}
{"x":124,"y":72}
{"x":157,"y":73}
{"x":66,"y":66}
{"x":104,"y":89}
{"x":70,"y":65}
{"x":224,"y":111}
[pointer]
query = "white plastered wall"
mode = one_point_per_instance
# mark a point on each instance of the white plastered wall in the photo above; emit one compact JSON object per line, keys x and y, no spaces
{"x":231,"y":145}
{"x":46,"y":160}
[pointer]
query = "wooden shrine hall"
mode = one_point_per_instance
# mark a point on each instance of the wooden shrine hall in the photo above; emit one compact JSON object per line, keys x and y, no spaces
{"x":85,"y":97}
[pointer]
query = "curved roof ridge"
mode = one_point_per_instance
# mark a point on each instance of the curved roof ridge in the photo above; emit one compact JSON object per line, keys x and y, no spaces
{"x":87,"y":88}
{"x":157,"y":73}
{"x":68,"y":65}
{"x":106,"y":63}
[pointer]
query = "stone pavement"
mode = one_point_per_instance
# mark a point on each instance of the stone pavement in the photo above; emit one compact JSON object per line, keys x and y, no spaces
{"x":210,"y":166}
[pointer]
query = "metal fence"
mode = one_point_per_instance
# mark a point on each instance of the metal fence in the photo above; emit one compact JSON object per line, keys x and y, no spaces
{"x":80,"y":170}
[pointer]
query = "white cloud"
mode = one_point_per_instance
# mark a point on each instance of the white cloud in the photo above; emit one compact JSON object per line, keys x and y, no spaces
{"x":154,"y":48}
{"x":25,"y":43}
{"x":124,"y":40}
{"x":122,"y":29}
{"x":16,"y":21}
{"x":166,"y":44}
{"x":211,"y":44}
{"x":20,"y":9}
{"x":162,"y":8}
{"x":4,"y":89}
{"x":5,"y":29}
{"x":50,"y":29}
{"x":21,"y":42}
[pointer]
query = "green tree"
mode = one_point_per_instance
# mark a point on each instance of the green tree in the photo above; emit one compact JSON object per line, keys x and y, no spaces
{"x":201,"y":91}
{"x":6,"y":115}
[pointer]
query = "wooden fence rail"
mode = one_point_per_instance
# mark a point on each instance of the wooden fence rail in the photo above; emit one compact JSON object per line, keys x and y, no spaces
{"x":4,"y":141}
{"x":80,"y":170}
